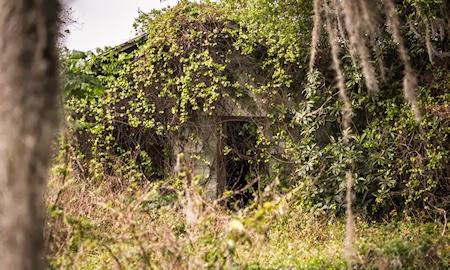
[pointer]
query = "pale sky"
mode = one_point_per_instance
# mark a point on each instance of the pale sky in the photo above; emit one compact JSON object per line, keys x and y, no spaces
{"x":102,"y":23}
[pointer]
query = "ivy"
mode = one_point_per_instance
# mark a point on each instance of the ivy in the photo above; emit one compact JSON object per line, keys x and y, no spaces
{"x":122,"y":107}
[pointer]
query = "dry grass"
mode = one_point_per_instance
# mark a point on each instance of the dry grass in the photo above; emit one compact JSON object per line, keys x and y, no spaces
{"x":109,"y":225}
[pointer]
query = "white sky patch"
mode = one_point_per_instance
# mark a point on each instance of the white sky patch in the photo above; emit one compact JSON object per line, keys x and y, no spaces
{"x":100,"y":23}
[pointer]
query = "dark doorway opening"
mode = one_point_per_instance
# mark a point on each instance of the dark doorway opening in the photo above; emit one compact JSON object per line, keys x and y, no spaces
{"x":240,"y":161}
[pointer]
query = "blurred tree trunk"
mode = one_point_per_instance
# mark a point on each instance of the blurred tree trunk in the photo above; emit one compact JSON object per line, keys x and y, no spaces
{"x":28,"y":117}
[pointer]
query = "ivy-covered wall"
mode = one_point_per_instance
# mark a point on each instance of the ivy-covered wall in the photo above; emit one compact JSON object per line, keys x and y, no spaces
{"x":126,"y":111}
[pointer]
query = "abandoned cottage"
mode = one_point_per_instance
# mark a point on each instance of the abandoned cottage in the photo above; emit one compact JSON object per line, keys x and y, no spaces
{"x":189,"y":91}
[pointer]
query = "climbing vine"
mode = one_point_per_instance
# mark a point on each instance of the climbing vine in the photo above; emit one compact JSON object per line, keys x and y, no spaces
{"x":126,"y":106}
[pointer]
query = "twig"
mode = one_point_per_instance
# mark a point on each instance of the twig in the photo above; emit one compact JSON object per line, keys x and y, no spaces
{"x":116,"y":260}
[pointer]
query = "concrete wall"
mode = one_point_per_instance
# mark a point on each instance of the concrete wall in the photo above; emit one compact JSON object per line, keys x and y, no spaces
{"x":199,"y":144}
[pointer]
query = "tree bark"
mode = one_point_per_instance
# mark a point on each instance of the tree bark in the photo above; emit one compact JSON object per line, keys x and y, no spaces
{"x":28,"y":117}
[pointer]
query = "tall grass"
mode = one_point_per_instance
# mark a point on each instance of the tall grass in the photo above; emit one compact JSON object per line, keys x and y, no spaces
{"x":115,"y":224}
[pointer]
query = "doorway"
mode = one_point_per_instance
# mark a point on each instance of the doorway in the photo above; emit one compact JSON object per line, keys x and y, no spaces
{"x":240,"y":160}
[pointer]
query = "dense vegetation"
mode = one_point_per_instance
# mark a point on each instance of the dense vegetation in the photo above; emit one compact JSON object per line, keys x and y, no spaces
{"x":121,"y":105}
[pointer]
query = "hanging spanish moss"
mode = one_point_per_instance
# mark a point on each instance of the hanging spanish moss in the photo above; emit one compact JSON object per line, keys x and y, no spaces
{"x":349,"y":249}
{"x":360,"y":24}
{"x":315,"y":33}
{"x":355,"y":24}
{"x":428,"y":42}
{"x":409,"y":79}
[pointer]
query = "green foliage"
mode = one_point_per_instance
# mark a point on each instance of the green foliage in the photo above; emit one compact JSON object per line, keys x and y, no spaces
{"x":426,"y":8}
{"x":403,"y":245}
{"x":125,"y":109}
{"x":283,"y":26}
{"x":407,"y":162}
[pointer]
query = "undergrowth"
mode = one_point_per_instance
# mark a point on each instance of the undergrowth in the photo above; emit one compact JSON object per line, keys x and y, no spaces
{"x":113,"y":225}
